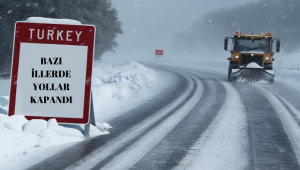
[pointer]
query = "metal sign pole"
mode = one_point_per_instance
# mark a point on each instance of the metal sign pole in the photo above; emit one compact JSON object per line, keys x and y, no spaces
{"x":92,"y":119}
{"x":87,"y":130}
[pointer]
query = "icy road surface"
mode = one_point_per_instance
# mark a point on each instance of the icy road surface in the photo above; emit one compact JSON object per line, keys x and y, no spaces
{"x":200,"y":122}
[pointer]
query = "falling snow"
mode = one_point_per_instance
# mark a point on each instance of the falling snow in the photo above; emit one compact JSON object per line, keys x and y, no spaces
{"x":52,"y":10}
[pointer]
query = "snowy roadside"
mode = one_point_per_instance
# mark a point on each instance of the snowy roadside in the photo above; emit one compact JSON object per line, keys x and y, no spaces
{"x":288,"y":74}
{"x":116,"y":90}
{"x":292,"y":75}
{"x":119,"y":89}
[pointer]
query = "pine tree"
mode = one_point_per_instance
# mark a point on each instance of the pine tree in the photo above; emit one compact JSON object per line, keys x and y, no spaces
{"x":276,"y":16}
{"x":95,"y":12}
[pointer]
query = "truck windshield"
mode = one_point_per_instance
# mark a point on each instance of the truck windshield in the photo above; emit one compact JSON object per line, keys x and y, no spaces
{"x":258,"y":45}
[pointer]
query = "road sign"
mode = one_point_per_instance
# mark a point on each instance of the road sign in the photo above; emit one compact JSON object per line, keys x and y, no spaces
{"x":159,"y":53}
{"x":52,"y":71}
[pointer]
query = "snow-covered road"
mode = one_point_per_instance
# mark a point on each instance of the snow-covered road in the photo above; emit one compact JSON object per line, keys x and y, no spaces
{"x":201,"y":121}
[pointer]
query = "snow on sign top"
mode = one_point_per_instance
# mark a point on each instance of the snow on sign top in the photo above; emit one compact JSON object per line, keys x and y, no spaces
{"x":52,"y":21}
{"x":51,"y":71}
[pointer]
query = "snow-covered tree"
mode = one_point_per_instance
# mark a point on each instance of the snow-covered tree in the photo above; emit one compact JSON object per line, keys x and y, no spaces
{"x":96,"y":12}
{"x":281,"y":18}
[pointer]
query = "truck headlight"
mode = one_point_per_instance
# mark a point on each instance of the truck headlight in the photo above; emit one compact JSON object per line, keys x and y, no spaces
{"x":267,"y":58}
{"x":236,"y":56}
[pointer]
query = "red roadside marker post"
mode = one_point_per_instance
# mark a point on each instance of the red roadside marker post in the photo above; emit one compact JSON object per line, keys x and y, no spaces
{"x":159,"y":54}
{"x":52,"y":72}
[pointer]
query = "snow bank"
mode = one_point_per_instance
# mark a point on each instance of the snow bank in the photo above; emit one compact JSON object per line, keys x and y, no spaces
{"x":15,"y":122}
{"x":35,"y":126}
{"x":14,"y":142}
{"x":18,"y":136}
{"x":52,"y":20}
{"x":115,"y":88}
{"x":289,"y":74}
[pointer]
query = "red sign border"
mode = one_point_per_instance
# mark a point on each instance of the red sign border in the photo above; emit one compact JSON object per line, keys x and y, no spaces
{"x":90,"y":58}
{"x":156,"y":52}
{"x":159,"y":53}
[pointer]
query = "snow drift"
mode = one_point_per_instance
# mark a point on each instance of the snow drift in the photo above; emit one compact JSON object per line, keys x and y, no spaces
{"x":19,"y":136}
{"x":115,"y":88}
{"x":288,"y":74}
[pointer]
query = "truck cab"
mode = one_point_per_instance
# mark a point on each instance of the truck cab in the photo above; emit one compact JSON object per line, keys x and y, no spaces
{"x":247,"y":49}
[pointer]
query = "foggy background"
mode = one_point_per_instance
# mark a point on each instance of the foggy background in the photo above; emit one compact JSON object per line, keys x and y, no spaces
{"x":154,"y":24}
{"x":187,"y":30}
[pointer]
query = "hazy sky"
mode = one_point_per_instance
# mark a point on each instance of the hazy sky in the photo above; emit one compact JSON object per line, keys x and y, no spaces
{"x":153,"y":24}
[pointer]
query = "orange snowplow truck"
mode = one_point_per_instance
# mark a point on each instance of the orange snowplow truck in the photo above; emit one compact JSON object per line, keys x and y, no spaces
{"x":251,"y":57}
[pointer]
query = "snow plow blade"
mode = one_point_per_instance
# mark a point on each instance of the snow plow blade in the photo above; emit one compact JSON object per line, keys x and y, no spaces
{"x":252,"y":75}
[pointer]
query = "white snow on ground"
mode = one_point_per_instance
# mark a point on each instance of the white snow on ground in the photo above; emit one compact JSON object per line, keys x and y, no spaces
{"x":288,"y":74}
{"x":115,"y":91}
{"x":19,"y":136}
{"x":28,"y":141}
{"x":119,"y":89}
{"x":287,"y":67}
{"x":89,"y":161}
{"x":136,"y":151}
{"x":50,"y":132}
{"x":223,"y":145}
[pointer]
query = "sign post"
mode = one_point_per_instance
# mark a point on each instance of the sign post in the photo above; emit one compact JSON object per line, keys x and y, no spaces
{"x":159,"y":54}
{"x":52,"y":72}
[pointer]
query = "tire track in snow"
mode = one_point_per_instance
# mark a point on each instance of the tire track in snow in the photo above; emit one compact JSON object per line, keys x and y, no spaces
{"x":168,"y":153}
{"x":289,"y":117}
{"x":123,"y":125}
{"x":285,"y":158}
{"x":107,"y":152}
{"x":269,"y":144}
{"x":288,"y":93}
{"x":224,"y":143}
{"x":291,"y":109}
{"x":282,"y":155}
{"x":145,"y":143}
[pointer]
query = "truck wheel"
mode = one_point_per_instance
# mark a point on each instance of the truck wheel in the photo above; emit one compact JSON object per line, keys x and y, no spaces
{"x":229,"y":72}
